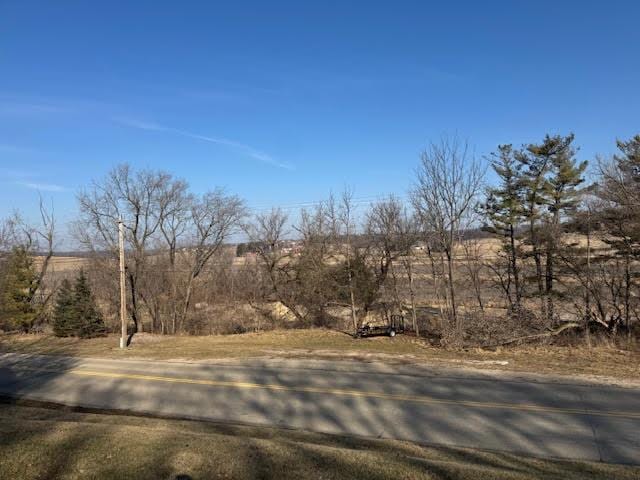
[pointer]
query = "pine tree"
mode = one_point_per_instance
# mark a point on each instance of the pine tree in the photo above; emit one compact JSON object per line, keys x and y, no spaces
{"x":535,"y":162}
{"x":16,"y":308}
{"x":505,"y":212}
{"x":563,"y":196}
{"x":550,"y":177}
{"x":88,"y":317}
{"x":630,"y":158}
{"x":64,"y":314}
{"x":620,"y":214}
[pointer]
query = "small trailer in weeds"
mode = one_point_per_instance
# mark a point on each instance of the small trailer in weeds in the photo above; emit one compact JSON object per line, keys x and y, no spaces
{"x":395,"y":326}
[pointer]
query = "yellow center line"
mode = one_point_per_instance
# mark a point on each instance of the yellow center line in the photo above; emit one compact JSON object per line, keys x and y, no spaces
{"x":342,"y":392}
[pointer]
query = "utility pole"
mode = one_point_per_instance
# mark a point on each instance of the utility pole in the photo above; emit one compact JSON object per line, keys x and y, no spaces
{"x":123,"y":294}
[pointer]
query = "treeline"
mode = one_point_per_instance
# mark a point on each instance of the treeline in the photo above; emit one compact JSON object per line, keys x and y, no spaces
{"x":559,"y":253}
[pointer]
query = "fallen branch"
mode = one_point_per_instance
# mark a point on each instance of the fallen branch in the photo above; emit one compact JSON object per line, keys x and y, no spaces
{"x":551,"y":333}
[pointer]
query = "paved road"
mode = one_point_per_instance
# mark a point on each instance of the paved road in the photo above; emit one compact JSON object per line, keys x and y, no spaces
{"x":570,"y":420}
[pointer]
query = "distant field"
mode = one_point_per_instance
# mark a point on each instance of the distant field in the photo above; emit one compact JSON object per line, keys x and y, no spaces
{"x":39,"y":443}
{"x":487,"y":248}
{"x":65,"y":264}
{"x":328,"y":344}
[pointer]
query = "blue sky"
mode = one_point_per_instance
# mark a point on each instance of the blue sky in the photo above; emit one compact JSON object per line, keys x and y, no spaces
{"x":281,"y":102}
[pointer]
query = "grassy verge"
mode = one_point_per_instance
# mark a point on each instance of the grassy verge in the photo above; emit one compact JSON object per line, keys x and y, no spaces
{"x":39,"y":443}
{"x":318,"y":343}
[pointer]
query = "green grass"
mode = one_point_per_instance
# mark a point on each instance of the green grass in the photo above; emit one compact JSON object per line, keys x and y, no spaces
{"x":42,"y":443}
{"x":320,"y":343}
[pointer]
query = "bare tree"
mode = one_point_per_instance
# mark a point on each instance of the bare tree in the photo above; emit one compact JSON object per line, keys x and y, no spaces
{"x":8,"y":239}
{"x":176,"y":205}
{"x":449,"y":180}
{"x":40,"y":238}
{"x":619,"y":214}
{"x":8,"y":227}
{"x":474,"y":265}
{"x":409,"y":231}
{"x":388,"y":236}
{"x":347,"y":224}
{"x":266,"y":232}
{"x":214,"y":217}
{"x":138,"y":199}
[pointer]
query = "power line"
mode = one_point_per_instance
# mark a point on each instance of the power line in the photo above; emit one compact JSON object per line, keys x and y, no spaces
{"x":364,"y":200}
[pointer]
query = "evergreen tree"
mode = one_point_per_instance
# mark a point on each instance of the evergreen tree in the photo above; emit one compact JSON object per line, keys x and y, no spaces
{"x":85,"y":311}
{"x":534,"y":162}
{"x":504,"y":212}
{"x":64,"y":314}
{"x":550,"y":177}
{"x":630,"y":158}
{"x":619,"y":214}
{"x":16,"y":308}
{"x":563,"y":196}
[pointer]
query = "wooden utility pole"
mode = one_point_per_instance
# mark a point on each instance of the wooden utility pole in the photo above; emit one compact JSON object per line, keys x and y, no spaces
{"x":123,"y":294}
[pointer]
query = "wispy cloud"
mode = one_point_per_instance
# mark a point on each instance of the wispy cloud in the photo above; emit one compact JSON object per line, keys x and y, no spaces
{"x":241,"y":147}
{"x":9,"y":105}
{"x":28,"y":179}
{"x":45,"y":187}
{"x":250,"y":151}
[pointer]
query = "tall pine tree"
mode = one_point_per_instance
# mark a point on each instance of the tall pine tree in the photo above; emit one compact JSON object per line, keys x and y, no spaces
{"x":563,"y":196}
{"x":535,"y":161}
{"x":550,"y":178}
{"x":16,"y":308}
{"x":620,"y":212}
{"x":504,"y":212}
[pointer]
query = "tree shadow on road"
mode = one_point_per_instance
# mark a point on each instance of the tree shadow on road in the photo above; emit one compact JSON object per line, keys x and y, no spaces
{"x":73,"y":442}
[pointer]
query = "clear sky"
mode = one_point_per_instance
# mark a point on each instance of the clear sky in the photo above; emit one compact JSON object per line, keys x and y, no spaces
{"x":281,"y":102}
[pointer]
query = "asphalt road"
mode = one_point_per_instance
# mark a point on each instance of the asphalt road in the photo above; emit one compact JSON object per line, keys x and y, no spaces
{"x":550,"y":419}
